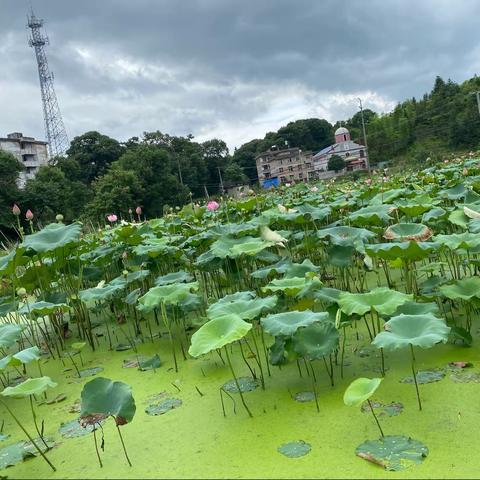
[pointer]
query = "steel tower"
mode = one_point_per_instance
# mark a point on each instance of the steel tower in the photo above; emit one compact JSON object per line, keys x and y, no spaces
{"x":54,"y":128}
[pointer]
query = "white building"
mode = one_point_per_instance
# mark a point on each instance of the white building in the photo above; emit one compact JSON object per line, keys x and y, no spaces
{"x":354,"y":155}
{"x":31,"y":153}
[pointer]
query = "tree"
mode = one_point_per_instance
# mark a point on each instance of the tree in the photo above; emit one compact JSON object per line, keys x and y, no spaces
{"x":94,"y":152}
{"x":10,"y":169}
{"x":233,"y":175}
{"x":336,"y":162}
{"x":215,"y":155}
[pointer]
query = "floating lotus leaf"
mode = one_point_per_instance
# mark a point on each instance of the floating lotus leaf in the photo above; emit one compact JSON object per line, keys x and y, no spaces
{"x":90,"y":372}
{"x":103,"y":397}
{"x":246,"y":384}
{"x":176,"y":277}
{"x":53,"y":236}
{"x":409,"y":250}
{"x":43,"y":308}
{"x":163,"y":407}
{"x":31,"y":386}
{"x":393,"y":452}
{"x":316,"y":340}
{"x":19,"y":451}
{"x":360,"y":390}
{"x":217,"y":333}
{"x":418,"y":330}
{"x":167,"y":294}
{"x":150,"y":364}
{"x":303,"y":397}
{"x":466,"y":288}
{"x":381,"y":299}
{"x":295,"y":449}
{"x":408,"y":231}
{"x":73,"y":429}
{"x":78,"y":345}
{"x":372,"y":215}
{"x":245,"y":309}
{"x":425,"y":376}
{"x":9,"y":334}
{"x":287,"y":323}
{"x":391,"y":409}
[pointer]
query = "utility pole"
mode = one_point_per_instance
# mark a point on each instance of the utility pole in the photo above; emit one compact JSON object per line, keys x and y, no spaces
{"x":179,"y":170}
{"x":365,"y":136}
{"x":221,"y":181}
{"x":477,"y":93}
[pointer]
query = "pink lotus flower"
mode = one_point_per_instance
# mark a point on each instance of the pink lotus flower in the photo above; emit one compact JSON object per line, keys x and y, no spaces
{"x":16,"y":210}
{"x":212,"y":205}
{"x":112,"y":218}
{"x":368,"y":181}
{"x":29,"y":215}
{"x":138,"y":210}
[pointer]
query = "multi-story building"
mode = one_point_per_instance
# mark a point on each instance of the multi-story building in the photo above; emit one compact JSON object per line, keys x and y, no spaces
{"x":31,"y":153}
{"x":277,"y":166}
{"x":354,"y":154}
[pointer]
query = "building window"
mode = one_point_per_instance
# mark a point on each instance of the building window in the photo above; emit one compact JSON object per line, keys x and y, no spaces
{"x":267,"y":174}
{"x":280,"y":169}
{"x":266,"y":167}
{"x":344,"y":138}
{"x":347,"y":154}
{"x":292,"y":177}
{"x":290,"y":160}
{"x":308,"y":165}
{"x":290,"y":168}
{"x":362,"y":153}
{"x":283,"y":179}
{"x":300,"y":175}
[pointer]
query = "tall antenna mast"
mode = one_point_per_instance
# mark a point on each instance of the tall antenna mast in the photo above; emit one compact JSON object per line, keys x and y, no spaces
{"x":54,"y":128}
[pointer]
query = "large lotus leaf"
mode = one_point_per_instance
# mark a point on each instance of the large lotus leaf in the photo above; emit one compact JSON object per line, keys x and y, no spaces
{"x":130,"y":277}
{"x":418,"y":330}
{"x":249,"y":246}
{"x":406,"y":250}
{"x":472,"y":211}
{"x":316,"y":340}
{"x":9,"y":334}
{"x":434,"y":214}
{"x":31,"y":386}
{"x":287,"y":323}
{"x":408,"y":231}
{"x":245,"y":309}
{"x":5,"y":362}
{"x":454,"y":193}
{"x":415,"y":206}
{"x":372,"y":215}
{"x":176,"y":277}
{"x":360,"y":390}
{"x":458,"y":217}
{"x":26,"y":356}
{"x":300,"y":269}
{"x":217,"y":333}
{"x":315,"y":213}
{"x":326,"y":294}
{"x":104,"y":397}
{"x":381,"y":299}
{"x":387,"y":196}
{"x":100,"y":294}
{"x":393,"y":452}
{"x":11,"y":260}
{"x":345,"y":236}
{"x":414,"y":308}
{"x":340,"y":256}
{"x":455,"y":241}
{"x":43,"y":308}
{"x":466,"y":288}
{"x":290,"y":286}
{"x":167,"y":295}
{"x":53,"y":236}
{"x":153,"y":247}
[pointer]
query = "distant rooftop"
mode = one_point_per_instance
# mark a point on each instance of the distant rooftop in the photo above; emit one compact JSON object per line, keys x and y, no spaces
{"x":18,"y":136}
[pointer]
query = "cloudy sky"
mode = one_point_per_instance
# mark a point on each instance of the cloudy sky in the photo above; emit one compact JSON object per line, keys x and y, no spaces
{"x":231,"y":69}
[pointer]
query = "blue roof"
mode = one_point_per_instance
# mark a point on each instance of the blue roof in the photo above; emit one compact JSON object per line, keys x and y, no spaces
{"x":325,"y":150}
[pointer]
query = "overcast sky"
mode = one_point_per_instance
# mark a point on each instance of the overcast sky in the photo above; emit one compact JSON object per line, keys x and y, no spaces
{"x":231,"y":69}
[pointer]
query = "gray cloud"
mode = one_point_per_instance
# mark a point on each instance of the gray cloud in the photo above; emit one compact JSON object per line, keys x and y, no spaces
{"x":225,"y":68}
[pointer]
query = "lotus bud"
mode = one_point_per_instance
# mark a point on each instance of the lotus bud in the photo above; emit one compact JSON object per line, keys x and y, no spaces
{"x":29,"y":215}
{"x":138,"y":210}
{"x":112,"y":218}
{"x":21,"y":292}
{"x":125,"y":273}
{"x":16,"y":210}
{"x":212,"y":206}
{"x":59,"y":218}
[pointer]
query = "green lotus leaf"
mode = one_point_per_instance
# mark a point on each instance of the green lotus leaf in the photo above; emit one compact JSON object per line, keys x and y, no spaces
{"x":458,"y":217}
{"x":316,"y":340}
{"x":381,"y":299}
{"x":408,"y":231}
{"x":436,"y":213}
{"x":100,"y":294}
{"x":132,"y":297}
{"x":372,"y":215}
{"x":326,"y":294}
{"x":154,"y":247}
{"x":245,"y":309}
{"x":406,"y":250}
{"x":387,"y":196}
{"x":290,"y":286}
{"x":166,"y":294}
{"x":5,"y":362}
{"x":345,"y":236}
{"x":176,"y":277}
{"x":472,"y":211}
{"x":53,"y":236}
{"x":249,"y":246}
{"x":130,"y":277}
{"x":287,"y":323}
{"x":26,"y":356}
{"x":104,"y":397}
{"x":9,"y":334}
{"x":31,"y":386}
{"x":455,"y":241}
{"x":315,"y":213}
{"x":393,"y":452}
{"x":422,"y":331}
{"x":415,"y":206}
{"x":11,"y":260}
{"x":360,"y":390}
{"x":454,"y":193}
{"x":78,"y":345}
{"x":466,"y":288}
{"x":300,"y":269}
{"x":414,"y":308}
{"x":217,"y":333}
{"x":43,"y":308}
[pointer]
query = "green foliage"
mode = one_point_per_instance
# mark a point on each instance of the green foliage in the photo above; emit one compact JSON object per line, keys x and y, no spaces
{"x":360,"y":390}
{"x":336,"y":163}
{"x":10,"y":168}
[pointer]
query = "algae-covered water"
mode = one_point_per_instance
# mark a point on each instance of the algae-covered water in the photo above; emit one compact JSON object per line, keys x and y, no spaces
{"x":196,"y":440}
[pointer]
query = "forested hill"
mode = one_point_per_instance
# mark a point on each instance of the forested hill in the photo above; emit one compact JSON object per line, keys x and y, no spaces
{"x":446,"y":119}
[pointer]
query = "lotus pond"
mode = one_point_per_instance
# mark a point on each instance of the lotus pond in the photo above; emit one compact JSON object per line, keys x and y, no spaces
{"x":314,"y":331}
